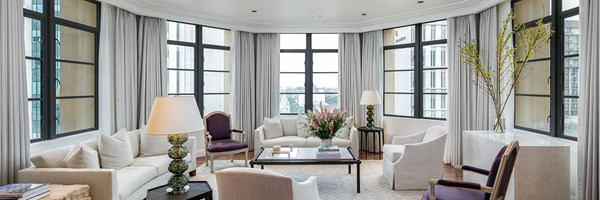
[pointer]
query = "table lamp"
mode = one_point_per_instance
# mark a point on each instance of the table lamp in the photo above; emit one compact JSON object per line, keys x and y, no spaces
{"x":370,"y":98}
{"x":175,"y":117}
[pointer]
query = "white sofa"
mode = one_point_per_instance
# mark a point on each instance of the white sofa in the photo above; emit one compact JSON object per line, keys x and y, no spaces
{"x":411,"y":161}
{"x":131,"y":182}
{"x":290,"y":137}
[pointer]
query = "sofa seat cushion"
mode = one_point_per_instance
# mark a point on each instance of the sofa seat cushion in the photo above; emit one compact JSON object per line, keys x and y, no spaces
{"x":295,"y":141}
{"x":131,"y":178}
{"x":159,"y":163}
{"x":226,"y":145}
{"x":336,"y":141}
{"x":393,"y":151}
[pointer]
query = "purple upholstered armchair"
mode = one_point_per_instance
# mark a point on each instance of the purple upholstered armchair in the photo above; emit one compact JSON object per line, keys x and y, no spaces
{"x":495,"y":188}
{"x":219,"y":140}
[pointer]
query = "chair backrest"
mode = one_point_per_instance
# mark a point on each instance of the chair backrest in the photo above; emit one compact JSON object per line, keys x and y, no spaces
{"x":433,"y":133}
{"x":501,"y":170}
{"x":250,"y":183}
{"x":218,"y":125}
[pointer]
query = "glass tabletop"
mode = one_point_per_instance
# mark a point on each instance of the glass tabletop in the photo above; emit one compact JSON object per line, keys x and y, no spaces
{"x":301,"y":153}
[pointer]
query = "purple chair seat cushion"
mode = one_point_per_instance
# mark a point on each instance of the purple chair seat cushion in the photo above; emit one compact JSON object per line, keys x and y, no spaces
{"x":226,"y":145}
{"x":454,"y":193}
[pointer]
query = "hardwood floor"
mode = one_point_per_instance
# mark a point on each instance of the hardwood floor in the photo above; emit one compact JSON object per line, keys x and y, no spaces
{"x":449,"y":171}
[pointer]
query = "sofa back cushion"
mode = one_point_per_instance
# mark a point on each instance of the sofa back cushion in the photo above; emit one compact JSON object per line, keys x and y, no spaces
{"x":289,"y":126}
{"x":344,"y":132}
{"x":55,"y":158}
{"x":152,"y":145}
{"x":134,"y":140}
{"x":302,"y":125}
{"x":433,"y":133}
{"x":81,"y":156}
{"x":218,"y":126}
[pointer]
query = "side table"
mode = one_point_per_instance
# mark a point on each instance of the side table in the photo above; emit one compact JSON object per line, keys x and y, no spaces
{"x":375,"y":130}
{"x":198,"y":190}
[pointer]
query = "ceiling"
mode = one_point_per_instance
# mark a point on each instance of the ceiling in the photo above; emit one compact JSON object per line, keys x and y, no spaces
{"x":298,"y":15}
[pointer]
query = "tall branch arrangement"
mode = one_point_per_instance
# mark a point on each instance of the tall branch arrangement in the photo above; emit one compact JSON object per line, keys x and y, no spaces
{"x":511,"y":62}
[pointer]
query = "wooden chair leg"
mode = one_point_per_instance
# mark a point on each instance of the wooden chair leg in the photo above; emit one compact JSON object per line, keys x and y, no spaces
{"x":212,"y":164}
{"x":231,"y":157}
{"x":206,"y":157}
{"x":246,"y":159}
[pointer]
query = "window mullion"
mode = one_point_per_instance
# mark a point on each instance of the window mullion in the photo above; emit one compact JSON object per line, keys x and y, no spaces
{"x":308,"y":77}
{"x":418,"y":62}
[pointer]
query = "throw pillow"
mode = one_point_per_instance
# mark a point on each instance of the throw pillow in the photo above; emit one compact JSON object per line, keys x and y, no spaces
{"x":302,"y":125}
{"x":344,"y":132}
{"x":81,"y":156}
{"x":152,"y":145}
{"x":273,"y":128}
{"x":115,"y":151}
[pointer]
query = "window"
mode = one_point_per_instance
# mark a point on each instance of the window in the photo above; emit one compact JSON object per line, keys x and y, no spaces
{"x":308,"y":72}
{"x":198,"y":62}
{"x":415,"y":71}
{"x":61,"y":52}
{"x":547,"y":99}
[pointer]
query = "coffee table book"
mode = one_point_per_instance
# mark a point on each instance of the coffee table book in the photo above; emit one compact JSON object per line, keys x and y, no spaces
{"x":24,"y":191}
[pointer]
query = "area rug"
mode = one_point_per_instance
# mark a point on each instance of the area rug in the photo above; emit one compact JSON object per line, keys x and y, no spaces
{"x":333,"y":180}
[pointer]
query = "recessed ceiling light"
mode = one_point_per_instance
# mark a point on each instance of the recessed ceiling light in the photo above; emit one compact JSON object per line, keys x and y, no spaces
{"x":420,"y":1}
{"x":364,"y":14}
{"x":254,"y":11}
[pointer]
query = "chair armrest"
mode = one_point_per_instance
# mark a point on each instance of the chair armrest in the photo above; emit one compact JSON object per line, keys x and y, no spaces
{"x":259,"y":137}
{"x":473,"y":169}
{"x":102,"y":182}
{"x":354,"y":141}
{"x":410,"y":139}
{"x":244,"y":136}
{"x":237,"y":131}
{"x":306,"y":190}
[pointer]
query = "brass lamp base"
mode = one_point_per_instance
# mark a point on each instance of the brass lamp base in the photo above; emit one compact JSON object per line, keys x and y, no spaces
{"x":178,"y":181}
{"x":370,"y":116}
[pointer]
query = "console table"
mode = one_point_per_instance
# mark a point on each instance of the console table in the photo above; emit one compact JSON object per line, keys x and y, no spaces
{"x":541,"y":170}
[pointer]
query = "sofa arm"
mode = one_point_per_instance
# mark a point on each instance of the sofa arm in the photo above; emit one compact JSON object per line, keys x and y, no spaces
{"x":102,"y":182}
{"x":192,"y":145}
{"x":354,"y":141}
{"x":259,"y":137}
{"x":307,"y":190}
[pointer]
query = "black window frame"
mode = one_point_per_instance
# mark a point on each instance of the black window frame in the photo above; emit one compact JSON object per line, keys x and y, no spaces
{"x":418,"y":70}
{"x":557,"y":58}
{"x":48,"y":62}
{"x":199,"y":60}
{"x":308,"y":71}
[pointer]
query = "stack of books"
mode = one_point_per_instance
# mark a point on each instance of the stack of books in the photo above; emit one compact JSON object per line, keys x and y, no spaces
{"x":332,"y":152}
{"x":24,"y":191}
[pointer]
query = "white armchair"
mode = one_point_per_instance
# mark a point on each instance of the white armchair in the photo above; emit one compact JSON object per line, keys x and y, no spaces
{"x":250,"y":183}
{"x":411,"y":161}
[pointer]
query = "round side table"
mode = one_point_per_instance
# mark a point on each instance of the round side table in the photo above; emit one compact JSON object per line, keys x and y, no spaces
{"x":375,"y":130}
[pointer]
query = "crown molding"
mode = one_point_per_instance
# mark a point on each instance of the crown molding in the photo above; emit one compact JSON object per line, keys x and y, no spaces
{"x":460,"y":8}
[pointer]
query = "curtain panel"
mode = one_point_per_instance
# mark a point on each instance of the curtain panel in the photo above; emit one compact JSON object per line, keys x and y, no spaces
{"x":372,"y":79}
{"x":267,"y":76}
{"x":589,"y":102}
{"x":349,"y":73}
{"x":14,"y":117}
{"x":244,"y":90}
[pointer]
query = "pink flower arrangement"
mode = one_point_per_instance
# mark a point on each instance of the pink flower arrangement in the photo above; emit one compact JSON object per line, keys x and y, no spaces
{"x":324,"y":123}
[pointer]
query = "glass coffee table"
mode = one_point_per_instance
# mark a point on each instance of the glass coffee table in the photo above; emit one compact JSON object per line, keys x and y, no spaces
{"x":307,"y":156}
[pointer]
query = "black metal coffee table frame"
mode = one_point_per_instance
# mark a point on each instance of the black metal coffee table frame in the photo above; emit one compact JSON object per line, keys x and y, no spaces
{"x":354,"y":161}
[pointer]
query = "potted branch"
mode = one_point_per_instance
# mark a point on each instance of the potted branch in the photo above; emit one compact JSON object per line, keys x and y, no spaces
{"x":499,"y":81}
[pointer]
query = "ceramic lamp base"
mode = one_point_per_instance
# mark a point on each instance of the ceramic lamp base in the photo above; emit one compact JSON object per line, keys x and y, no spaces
{"x":178,"y":181}
{"x":370,"y":114}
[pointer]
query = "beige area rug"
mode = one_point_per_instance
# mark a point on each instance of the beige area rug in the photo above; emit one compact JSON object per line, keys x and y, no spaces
{"x":333,"y":180}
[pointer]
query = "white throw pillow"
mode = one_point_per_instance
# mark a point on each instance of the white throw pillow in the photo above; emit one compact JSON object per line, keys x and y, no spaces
{"x":344,"y":132}
{"x":81,"y":156}
{"x":152,"y":145}
{"x":273,"y":128}
{"x":302,"y":125}
{"x":115,"y":151}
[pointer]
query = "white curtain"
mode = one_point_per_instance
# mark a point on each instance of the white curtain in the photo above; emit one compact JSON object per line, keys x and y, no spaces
{"x":589,"y":102}
{"x":244,"y":84}
{"x":349,"y":75}
{"x":126,"y":71}
{"x":152,"y":60}
{"x":106,"y":66}
{"x":482,"y":116}
{"x":463,"y":95}
{"x":14,"y":117}
{"x":372,"y":76}
{"x":267,"y":76}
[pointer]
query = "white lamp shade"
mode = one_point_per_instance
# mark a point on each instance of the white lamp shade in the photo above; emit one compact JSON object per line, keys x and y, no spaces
{"x":174,"y":115}
{"x":370,"y":97}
